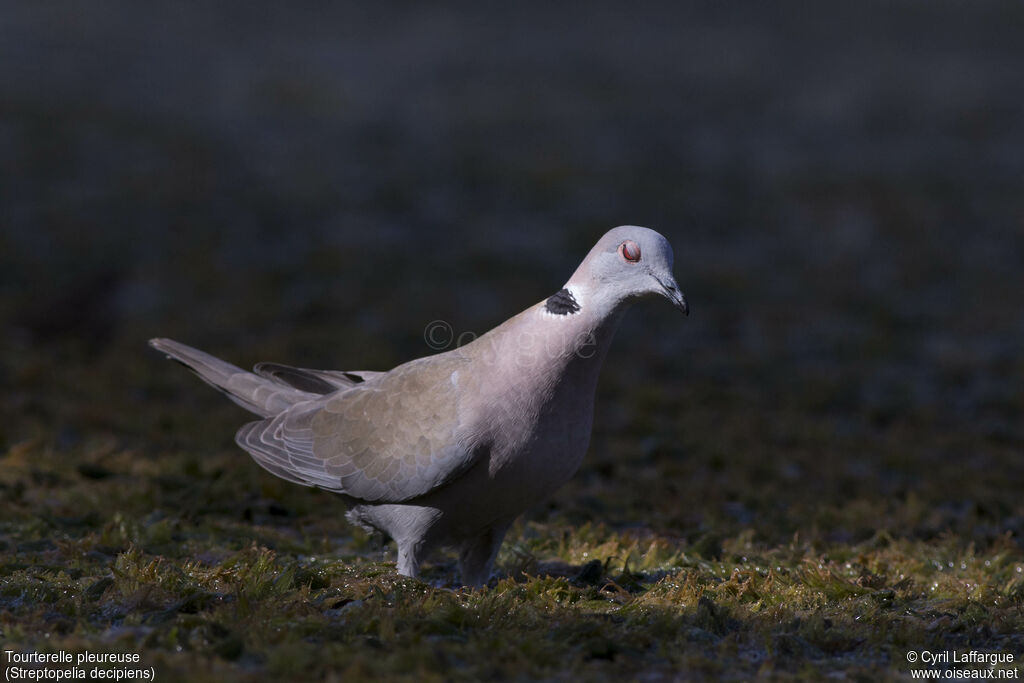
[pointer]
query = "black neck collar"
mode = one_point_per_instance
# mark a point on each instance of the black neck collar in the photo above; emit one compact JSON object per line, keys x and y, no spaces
{"x":562,"y":302}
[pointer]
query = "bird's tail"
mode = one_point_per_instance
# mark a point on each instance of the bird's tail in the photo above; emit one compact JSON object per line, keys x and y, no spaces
{"x":256,"y":394}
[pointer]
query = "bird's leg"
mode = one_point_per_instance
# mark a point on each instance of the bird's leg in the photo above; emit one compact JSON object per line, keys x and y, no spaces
{"x":409,"y":557}
{"x":476,"y":556}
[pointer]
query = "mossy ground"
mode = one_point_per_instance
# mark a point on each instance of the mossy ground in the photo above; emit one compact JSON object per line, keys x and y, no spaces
{"x":212,"y":569}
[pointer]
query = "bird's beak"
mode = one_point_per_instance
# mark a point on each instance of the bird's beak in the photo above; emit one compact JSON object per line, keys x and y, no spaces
{"x":672,"y":293}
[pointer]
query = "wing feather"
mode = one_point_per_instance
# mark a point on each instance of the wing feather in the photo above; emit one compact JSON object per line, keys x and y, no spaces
{"x":389,"y":440}
{"x":313,"y":381}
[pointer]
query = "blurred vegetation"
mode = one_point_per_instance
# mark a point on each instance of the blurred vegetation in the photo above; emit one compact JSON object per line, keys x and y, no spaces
{"x":816,"y":472}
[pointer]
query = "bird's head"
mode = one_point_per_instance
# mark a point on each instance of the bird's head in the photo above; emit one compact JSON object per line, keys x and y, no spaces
{"x":627,"y":263}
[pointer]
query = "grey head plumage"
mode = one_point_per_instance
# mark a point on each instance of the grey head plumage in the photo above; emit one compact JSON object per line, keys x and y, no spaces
{"x":629,"y":262}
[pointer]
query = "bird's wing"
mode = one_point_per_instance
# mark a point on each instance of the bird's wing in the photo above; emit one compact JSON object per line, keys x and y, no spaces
{"x":315,"y":381}
{"x":389,"y":440}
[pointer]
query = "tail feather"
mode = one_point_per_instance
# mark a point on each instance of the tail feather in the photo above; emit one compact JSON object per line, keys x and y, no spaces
{"x":254,"y":393}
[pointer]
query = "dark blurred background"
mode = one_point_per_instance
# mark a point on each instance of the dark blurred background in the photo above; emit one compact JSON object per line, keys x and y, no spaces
{"x":315,"y":183}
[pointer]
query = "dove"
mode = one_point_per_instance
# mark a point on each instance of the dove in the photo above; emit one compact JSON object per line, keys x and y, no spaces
{"x":449,"y":449}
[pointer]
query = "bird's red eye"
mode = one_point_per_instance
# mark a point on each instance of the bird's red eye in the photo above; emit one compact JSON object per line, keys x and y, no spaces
{"x":630,"y":251}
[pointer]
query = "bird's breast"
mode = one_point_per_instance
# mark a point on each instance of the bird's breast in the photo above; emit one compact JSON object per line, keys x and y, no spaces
{"x":540,"y":446}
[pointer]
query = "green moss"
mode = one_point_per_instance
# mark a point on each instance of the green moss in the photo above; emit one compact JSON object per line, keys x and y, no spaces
{"x":225,"y":609}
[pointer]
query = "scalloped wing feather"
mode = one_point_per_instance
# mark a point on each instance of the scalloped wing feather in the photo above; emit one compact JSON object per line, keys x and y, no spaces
{"x":391,"y":439}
